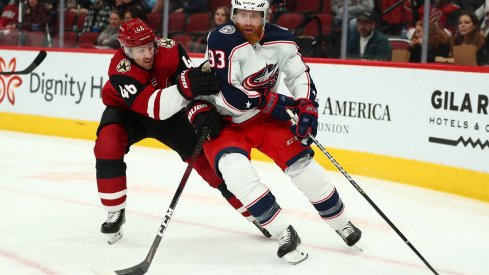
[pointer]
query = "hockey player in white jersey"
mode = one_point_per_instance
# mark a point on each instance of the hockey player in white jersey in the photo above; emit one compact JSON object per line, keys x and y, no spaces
{"x":249,"y":55}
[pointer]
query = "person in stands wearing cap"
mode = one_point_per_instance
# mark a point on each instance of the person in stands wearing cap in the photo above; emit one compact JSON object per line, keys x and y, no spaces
{"x":355,"y":7}
{"x":150,"y":83}
{"x":368,"y":42}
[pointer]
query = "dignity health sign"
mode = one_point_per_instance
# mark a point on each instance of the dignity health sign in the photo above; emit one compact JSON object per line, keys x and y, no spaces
{"x":65,"y":84}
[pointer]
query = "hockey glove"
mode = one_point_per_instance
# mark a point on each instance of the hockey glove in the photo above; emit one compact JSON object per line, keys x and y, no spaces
{"x":276,"y":104}
{"x":194,"y":82}
{"x":307,"y":120}
{"x":202,"y":114}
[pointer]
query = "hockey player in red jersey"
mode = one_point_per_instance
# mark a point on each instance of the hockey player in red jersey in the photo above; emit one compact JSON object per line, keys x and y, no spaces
{"x":150,"y":83}
{"x":249,"y":55}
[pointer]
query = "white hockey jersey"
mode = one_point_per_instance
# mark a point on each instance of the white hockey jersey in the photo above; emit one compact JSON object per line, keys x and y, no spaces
{"x":247,"y":70}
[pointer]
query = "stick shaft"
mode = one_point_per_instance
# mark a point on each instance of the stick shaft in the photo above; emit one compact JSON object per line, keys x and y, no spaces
{"x":143,"y":267}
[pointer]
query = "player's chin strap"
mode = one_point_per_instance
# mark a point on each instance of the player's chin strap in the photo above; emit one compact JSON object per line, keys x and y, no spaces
{"x":360,"y":190}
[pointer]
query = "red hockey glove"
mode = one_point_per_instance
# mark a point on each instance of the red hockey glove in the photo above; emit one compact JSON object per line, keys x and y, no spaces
{"x":202,"y":114}
{"x":307,"y":119}
{"x":194,"y":82}
{"x":276,"y":104}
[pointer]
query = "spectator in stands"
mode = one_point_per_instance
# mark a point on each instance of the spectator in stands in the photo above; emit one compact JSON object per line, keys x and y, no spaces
{"x":395,"y":16}
{"x":36,"y":16}
{"x":3,"y":4}
{"x":134,"y":12}
{"x":192,"y":6}
{"x":97,"y":17}
{"x":469,"y":33}
{"x":148,"y":5}
{"x":124,"y":5}
{"x":79,"y":6}
{"x":108,"y":37}
{"x":220,"y":16}
{"x":368,"y":42}
{"x":10,"y":15}
{"x":355,"y":8}
{"x":187,"y":6}
{"x":484,"y":53}
{"x":444,"y":11}
{"x":483,"y":15}
{"x":158,"y":6}
{"x":438,"y":42}
{"x":277,"y":7}
{"x":470,"y":5}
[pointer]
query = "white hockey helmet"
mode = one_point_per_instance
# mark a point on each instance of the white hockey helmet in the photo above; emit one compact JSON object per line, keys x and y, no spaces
{"x":252,"y":5}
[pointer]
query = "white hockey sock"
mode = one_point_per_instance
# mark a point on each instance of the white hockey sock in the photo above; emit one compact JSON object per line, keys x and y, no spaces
{"x":277,"y":225}
{"x":241,"y":178}
{"x":314,"y":182}
{"x":243,"y":181}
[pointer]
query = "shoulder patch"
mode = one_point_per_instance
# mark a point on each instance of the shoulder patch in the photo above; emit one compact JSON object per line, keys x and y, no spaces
{"x":124,"y":66}
{"x":166,"y":42}
{"x":228,"y":29}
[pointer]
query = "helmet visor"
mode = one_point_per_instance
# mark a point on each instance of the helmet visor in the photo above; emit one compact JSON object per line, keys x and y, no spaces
{"x":247,"y":17}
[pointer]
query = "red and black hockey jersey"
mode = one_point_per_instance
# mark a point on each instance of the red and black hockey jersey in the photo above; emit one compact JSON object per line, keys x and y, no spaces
{"x":152,"y":92}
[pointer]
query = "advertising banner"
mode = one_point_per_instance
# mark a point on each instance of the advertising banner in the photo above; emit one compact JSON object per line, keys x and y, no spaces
{"x":427,"y":115}
{"x":65,"y":85}
{"x":436,"y":116}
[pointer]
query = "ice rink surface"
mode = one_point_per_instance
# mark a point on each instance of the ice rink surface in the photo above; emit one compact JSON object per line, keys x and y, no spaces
{"x":51,"y":215}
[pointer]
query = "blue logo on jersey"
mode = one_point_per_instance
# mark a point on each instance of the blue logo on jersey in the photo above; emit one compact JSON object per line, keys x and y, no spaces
{"x":265,"y":78}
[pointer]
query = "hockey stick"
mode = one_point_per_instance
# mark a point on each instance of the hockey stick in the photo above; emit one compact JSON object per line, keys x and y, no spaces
{"x":360,"y":190}
{"x":143,"y":267}
{"x":38,"y":60}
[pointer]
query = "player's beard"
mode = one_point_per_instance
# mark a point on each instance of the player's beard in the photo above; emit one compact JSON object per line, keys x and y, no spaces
{"x":253,"y":37}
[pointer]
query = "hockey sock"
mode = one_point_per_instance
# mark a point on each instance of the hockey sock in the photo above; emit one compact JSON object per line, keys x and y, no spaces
{"x":234,"y":202}
{"x":247,"y":187}
{"x":203,"y":167}
{"x":267,"y":211}
{"x":109,"y":151}
{"x":313,"y":181}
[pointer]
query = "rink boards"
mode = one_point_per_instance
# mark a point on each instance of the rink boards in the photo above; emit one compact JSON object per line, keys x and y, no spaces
{"x":424,"y":125}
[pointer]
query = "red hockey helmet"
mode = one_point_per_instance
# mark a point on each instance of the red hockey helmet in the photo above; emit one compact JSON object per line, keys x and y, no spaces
{"x":135,"y":33}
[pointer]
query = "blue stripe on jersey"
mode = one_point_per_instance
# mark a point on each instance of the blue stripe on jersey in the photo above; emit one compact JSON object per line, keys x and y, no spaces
{"x":264,"y":209}
{"x":330,"y":206}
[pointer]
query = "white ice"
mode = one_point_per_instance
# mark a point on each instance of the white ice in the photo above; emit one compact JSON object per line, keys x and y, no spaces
{"x":50,"y":217}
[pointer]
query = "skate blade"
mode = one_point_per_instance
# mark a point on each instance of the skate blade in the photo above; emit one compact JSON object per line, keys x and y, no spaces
{"x":295,"y":257}
{"x":113,"y":238}
{"x":103,"y":272}
{"x":357,"y":247}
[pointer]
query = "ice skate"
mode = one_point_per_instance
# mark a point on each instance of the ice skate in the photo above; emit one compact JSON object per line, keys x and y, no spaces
{"x":350,"y":234}
{"x":113,"y":225}
{"x":288,"y":249}
{"x":262,"y":229}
